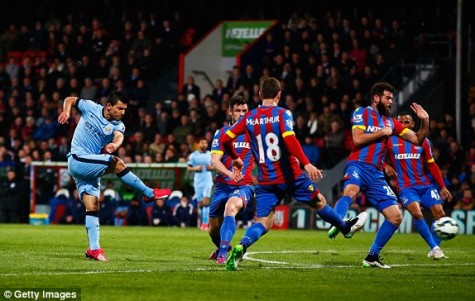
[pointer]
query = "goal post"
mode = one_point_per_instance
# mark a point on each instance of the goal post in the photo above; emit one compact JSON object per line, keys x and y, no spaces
{"x":163,"y":175}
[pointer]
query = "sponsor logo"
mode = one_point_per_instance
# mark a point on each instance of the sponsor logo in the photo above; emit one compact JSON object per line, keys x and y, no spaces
{"x":372,"y":128}
{"x":241,"y":145}
{"x":406,"y":156}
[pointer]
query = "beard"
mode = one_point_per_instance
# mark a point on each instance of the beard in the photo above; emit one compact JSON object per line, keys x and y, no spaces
{"x":383,"y":110}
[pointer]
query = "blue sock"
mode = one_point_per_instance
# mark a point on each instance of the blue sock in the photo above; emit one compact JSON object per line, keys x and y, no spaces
{"x":424,"y":231}
{"x":253,"y":233}
{"x":343,"y":205}
{"x":437,"y":240}
{"x":384,"y":234}
{"x":228,"y":228}
{"x":129,"y":178}
{"x":329,"y":215}
{"x":92,"y":228}
{"x":205,"y":215}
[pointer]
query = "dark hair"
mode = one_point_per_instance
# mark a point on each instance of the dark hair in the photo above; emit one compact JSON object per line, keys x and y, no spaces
{"x":379,"y":88}
{"x":405,"y":113}
{"x":237,"y":100}
{"x":117,"y":96}
{"x":269,"y":88}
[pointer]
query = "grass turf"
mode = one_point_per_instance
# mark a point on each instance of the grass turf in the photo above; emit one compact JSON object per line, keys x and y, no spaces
{"x":171,"y":264}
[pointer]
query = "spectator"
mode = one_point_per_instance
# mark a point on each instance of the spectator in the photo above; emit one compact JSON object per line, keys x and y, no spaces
{"x":136,"y":214}
{"x":218,"y":91}
{"x":14,"y":199}
{"x":467,"y":201}
{"x":311,"y":150}
{"x":191,"y":88}
{"x":75,"y":210}
{"x":107,"y":207}
{"x":183,"y":213}
{"x":161,"y":214}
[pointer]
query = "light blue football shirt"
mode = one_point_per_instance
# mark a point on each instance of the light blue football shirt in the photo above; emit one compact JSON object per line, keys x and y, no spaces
{"x":198,"y":158}
{"x":93,"y":131}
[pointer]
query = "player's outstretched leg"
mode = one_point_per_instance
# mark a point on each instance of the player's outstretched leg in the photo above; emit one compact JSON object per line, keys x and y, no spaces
{"x":129,"y":178}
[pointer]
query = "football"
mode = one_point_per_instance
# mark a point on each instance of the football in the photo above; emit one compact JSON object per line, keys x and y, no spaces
{"x":445,"y":228}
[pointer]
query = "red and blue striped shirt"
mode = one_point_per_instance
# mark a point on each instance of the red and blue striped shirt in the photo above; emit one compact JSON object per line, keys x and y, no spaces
{"x":267,"y":127}
{"x":371,"y":121}
{"x":242,"y":145}
{"x":408,"y":161}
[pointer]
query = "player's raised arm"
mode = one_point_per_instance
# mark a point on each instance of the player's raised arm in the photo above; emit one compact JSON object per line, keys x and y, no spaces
{"x":66,"y":113}
{"x":419,"y":137}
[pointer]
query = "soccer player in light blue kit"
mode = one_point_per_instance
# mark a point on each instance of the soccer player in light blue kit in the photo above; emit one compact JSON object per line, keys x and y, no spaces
{"x":229,"y":196}
{"x":200,"y":163}
{"x":98,"y":134}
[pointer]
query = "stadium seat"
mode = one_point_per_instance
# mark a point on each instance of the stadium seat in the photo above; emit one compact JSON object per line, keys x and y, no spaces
{"x":17,"y":55}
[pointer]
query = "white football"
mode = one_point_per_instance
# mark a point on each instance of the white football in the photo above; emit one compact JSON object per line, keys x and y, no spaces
{"x":445,"y":228}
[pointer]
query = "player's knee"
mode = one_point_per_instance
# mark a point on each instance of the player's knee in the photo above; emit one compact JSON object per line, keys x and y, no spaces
{"x":417,"y":215}
{"x":205,"y":202}
{"x":395,"y":219}
{"x":437,"y":212}
{"x":118,"y":164}
{"x":233,"y":206}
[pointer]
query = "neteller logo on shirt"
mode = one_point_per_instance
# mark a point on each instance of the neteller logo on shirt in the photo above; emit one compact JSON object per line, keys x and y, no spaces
{"x":406,"y":156}
{"x":241,"y":145}
{"x":372,"y":128}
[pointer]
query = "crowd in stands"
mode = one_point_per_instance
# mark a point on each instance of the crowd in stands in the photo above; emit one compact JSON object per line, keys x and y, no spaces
{"x":326,"y":63}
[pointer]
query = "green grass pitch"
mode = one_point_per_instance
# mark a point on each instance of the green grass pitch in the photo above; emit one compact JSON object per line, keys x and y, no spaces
{"x":172,"y":264}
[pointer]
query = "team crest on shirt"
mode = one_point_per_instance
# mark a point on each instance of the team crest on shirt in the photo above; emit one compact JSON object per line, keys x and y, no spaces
{"x":311,"y":188}
{"x":388,"y":123}
{"x":289,"y":123}
{"x":108,"y":129}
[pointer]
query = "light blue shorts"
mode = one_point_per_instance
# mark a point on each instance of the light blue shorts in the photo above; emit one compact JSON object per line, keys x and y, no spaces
{"x":87,"y":171}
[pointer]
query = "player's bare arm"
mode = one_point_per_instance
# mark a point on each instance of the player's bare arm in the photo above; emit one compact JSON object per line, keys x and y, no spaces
{"x":219,"y":166}
{"x":361,"y":138}
{"x":66,"y":113}
{"x":419,"y":137}
{"x":116,"y":142}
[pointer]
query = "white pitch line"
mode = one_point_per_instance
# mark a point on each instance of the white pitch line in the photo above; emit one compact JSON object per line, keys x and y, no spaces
{"x":291,"y":265}
{"x":247,"y":256}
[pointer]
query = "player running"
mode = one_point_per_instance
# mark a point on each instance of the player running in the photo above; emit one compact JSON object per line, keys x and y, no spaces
{"x":98,"y":134}
{"x":278,"y":155}
{"x":229,"y":196}
{"x":415,"y":188}
{"x":372,"y":127}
